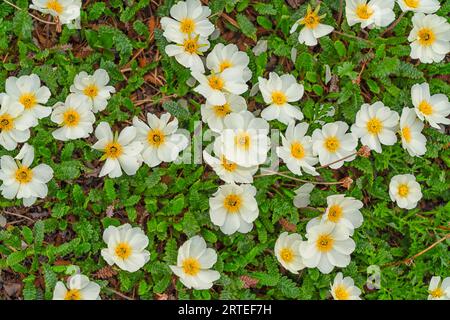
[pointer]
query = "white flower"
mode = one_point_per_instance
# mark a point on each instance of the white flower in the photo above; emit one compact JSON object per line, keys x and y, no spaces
{"x":74,"y":117}
{"x":214,"y":115}
{"x":287,"y":251}
{"x":332,"y":143}
{"x":376,"y":124}
{"x":119,"y":152}
{"x":160,"y":141}
{"x":303,"y":195}
{"x":342,"y":211}
{"x":65,"y":10}
{"x":244,"y":139}
{"x":410,"y":130}
{"x":126,"y":247}
{"x":278,"y":92}
{"x":189,"y":17}
{"x":223,"y":57}
{"x":344,"y":288}
{"x":313,"y":29}
{"x":94,"y":87}
{"x":20,"y":180}
{"x":429,"y":37}
{"x":432,"y":108}
{"x":234,"y":208}
{"x":439,"y":290}
{"x":193,"y":264}
{"x":424,"y":6}
{"x":214,"y":86}
{"x":187,"y":51}
{"x":27,"y":92}
{"x":373,"y":13}
{"x":296,"y":151}
{"x":78,"y":288}
{"x":328,"y":246}
{"x":405,"y":190}
{"x":14,"y":128}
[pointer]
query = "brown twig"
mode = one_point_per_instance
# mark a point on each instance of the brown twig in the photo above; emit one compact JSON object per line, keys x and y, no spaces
{"x":341,"y":9}
{"x":120,"y":294}
{"x":392,"y":26}
{"x":32,"y":15}
{"x":18,"y":215}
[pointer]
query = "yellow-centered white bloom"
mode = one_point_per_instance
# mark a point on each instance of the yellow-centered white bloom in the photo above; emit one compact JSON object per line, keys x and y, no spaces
{"x":410,"y":131}
{"x":405,"y":190}
{"x":233,"y":208}
{"x":78,"y":288}
{"x":429,"y":37}
{"x":160,"y":139}
{"x":312,"y":29}
{"x":27,"y":92}
{"x":424,"y":6}
{"x":372,"y":14}
{"x":223,"y":57}
{"x":432,"y":108}
{"x":187,"y":51}
{"x":125,"y":247}
{"x":65,"y":10}
{"x":438,"y":290}
{"x":20,"y":180}
{"x":74,"y":117}
{"x":332,"y":143}
{"x":328,"y":245}
{"x":120,"y":151}
{"x":193,"y":264}
{"x":376,"y":124}
{"x":344,"y":288}
{"x":296,"y":149}
{"x":94,"y":87}
{"x":214,"y":115}
{"x":287,"y":251}
{"x":278,"y":92}
{"x":303,"y":195}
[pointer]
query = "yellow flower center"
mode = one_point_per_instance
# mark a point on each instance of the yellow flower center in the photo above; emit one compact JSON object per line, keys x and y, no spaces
{"x":73,"y":294}
{"x":332,"y":144}
{"x":24,"y":175}
{"x":242,"y":140}
{"x":311,"y":20}
{"x":6,"y":122}
{"x":215,"y":82}
{"x":191,"y":45}
{"x":113,"y":150}
{"x":279,"y":98}
{"x":91,"y":91}
{"x":187,"y":25}
{"x":363,"y":11}
{"x":374,"y":126}
{"x":335,"y":213}
{"x":123,"y":250}
{"x":426,"y":37}
{"x":287,"y":254}
{"x":232,"y":203}
{"x":71,"y":118}
{"x":437,"y":293}
{"x":403,"y":190}
{"x":55,"y":6}
{"x":222,"y":111}
{"x":406,"y":134}
{"x":191,"y":266}
{"x":297,"y":150}
{"x":412,"y":3}
{"x":156,"y":137}
{"x":28,"y":100}
{"x":324,"y":243}
{"x":225,"y":65}
{"x":426,"y":108}
{"x":341,"y":292}
{"x":229,"y":166}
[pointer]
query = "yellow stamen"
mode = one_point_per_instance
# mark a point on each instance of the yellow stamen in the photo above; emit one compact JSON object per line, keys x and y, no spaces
{"x":71,"y":118}
{"x":363,"y":11}
{"x":325,"y":243}
{"x":232,"y":203}
{"x":191,"y":266}
{"x":24,"y":175}
{"x":222,"y":111}
{"x":374,"y":126}
{"x":426,"y":37}
{"x":123,"y":250}
{"x":287,"y":254}
{"x":28,"y":100}
{"x":279,"y":98}
{"x":335,"y":213}
{"x":187,"y":25}
{"x":312,"y":19}
{"x":225,"y":65}
{"x":113,"y":150}
{"x":403,"y":190}
{"x":91,"y":91}
{"x":406,"y":134}
{"x":242,"y":140}
{"x":297,"y":150}
{"x":156,"y":137}
{"x":341,"y":292}
{"x":229,"y":166}
{"x":6,"y":122}
{"x":191,"y":45}
{"x":216,"y":82}
{"x":55,"y":6}
{"x":73,"y":294}
{"x":332,"y":144}
{"x":426,"y":108}
{"x":412,"y":3}
{"x":437,"y":293}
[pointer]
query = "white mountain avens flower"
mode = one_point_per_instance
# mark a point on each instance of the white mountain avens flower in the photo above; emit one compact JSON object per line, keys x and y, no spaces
{"x":244,"y":139}
{"x":411,"y":127}
{"x":65,"y":10}
{"x":432,"y":108}
{"x":79,"y":287}
{"x":303,"y":195}
{"x":28,"y":92}
{"x":376,"y":124}
{"x":214,"y":115}
{"x":438,"y":290}
{"x":120,"y":151}
{"x":344,"y":288}
{"x":278,"y":92}
{"x":233,"y":208}
{"x":327,"y":246}
{"x":296,"y":149}
{"x":194,"y":263}
{"x":14,"y":128}
{"x":94,"y":87}
{"x":75,"y":118}
{"x":372,"y":14}
{"x":223,"y":57}
{"x":20,"y":180}
{"x":312,"y":29}
{"x":125,"y":247}
{"x":429,"y":37}
{"x":424,"y":6}
{"x":332,"y":143}
{"x":161,"y":142}
{"x":405,"y":190}
{"x":287,"y":251}
{"x":187,"y":51}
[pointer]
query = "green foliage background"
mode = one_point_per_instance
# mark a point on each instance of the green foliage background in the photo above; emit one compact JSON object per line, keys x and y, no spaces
{"x":170,"y":202}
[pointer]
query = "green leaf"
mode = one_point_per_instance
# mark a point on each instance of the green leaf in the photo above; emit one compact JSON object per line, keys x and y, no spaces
{"x":246,"y":26}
